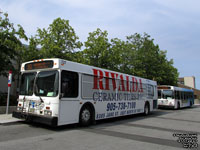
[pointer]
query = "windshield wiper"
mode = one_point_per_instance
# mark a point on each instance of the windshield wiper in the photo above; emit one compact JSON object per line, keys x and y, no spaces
{"x":35,"y":91}
{"x":41,"y":100}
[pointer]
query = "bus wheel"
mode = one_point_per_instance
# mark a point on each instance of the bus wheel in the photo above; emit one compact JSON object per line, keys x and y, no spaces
{"x":146,"y":109}
{"x":178,"y":106}
{"x":191,"y":103}
{"x":85,"y":116}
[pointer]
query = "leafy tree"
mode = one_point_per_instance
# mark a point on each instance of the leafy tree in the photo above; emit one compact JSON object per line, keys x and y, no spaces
{"x":96,"y":51}
{"x":58,"y":40}
{"x":146,"y":53}
{"x":10,"y":44}
{"x":121,"y":54}
{"x":138,"y":55}
{"x":78,"y":57}
{"x":150,"y":62}
{"x":168,"y":74}
{"x":31,"y":52}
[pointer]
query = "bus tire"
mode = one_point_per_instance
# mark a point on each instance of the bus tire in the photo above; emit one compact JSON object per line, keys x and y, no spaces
{"x":85,"y":117}
{"x":178,"y":105}
{"x":146,"y":109}
{"x":191,"y":103}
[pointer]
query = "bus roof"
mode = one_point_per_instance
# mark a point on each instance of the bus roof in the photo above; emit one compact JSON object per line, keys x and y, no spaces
{"x":56,"y":63}
{"x":167,"y":87}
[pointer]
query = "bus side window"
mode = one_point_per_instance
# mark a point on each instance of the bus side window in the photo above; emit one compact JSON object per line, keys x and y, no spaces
{"x":177,"y":95}
{"x":69,"y":84}
{"x":180,"y":95}
{"x":150,"y":90}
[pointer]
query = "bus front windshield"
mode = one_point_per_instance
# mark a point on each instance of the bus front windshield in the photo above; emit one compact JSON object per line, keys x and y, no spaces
{"x":44,"y":83}
{"x":47,"y":83}
{"x":159,"y":94}
{"x":167,"y":94}
{"x":27,"y":82}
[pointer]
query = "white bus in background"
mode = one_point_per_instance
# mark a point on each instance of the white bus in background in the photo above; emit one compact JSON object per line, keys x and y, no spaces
{"x":174,"y":97}
{"x":59,"y":92}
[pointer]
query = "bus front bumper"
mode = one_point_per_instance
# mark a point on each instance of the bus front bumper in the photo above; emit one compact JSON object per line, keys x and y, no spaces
{"x":52,"y":121}
{"x":166,"y":106}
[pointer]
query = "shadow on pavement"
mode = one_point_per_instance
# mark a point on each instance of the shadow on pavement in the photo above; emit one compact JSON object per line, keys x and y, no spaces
{"x":108,"y":122}
{"x":101,"y":123}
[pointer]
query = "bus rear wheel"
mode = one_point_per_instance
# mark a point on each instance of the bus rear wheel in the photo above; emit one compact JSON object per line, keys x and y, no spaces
{"x":191,"y":103}
{"x":178,"y":105}
{"x":146,"y":109}
{"x":85,"y":116}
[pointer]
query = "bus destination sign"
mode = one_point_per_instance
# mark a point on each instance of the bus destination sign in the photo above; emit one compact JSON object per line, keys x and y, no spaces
{"x":39,"y":65}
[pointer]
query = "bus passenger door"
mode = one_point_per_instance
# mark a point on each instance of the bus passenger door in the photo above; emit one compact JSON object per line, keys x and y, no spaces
{"x":69,"y":103}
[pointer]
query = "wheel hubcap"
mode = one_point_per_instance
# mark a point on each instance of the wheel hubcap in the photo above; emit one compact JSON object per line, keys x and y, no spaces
{"x":86,"y":115}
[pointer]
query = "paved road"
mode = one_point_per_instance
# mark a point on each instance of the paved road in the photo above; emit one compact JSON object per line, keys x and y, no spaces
{"x":128,"y":133}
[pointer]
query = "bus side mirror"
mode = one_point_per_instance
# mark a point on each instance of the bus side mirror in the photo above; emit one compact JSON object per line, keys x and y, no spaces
{"x":61,"y":95}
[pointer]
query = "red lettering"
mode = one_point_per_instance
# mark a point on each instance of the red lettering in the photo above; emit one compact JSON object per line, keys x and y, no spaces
{"x":107,"y":80}
{"x":121,"y":83}
{"x":127,"y":84}
{"x":135,"y":84}
{"x":114,"y":76}
{"x":141,"y":89}
{"x":98,"y":82}
{"x":98,"y":76}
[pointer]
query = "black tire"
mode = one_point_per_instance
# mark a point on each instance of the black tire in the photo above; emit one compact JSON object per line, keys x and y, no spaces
{"x":191,"y":103}
{"x":85,"y":117}
{"x":146,"y":109}
{"x":178,"y":105}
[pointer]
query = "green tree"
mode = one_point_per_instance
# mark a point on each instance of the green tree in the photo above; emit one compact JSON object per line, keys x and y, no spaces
{"x":78,"y":57}
{"x":58,"y":40}
{"x":31,"y":52}
{"x":120,"y":56}
{"x":150,"y":62}
{"x":96,"y":51}
{"x":10,"y":44}
{"x":167,"y":73}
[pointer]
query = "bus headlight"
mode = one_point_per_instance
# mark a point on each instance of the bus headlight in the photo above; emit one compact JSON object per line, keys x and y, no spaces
{"x":48,"y":112}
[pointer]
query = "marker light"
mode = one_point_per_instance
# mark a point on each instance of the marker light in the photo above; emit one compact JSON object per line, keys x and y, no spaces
{"x":48,"y":107}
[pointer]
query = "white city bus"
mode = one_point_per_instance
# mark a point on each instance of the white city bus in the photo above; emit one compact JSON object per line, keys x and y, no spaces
{"x":174,"y":97}
{"x":59,"y":92}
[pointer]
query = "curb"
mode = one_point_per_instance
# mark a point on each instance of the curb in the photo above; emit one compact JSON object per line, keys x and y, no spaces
{"x":8,"y":119}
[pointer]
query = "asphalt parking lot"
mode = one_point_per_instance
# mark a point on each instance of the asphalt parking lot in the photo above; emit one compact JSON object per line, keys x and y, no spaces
{"x":162,"y":130}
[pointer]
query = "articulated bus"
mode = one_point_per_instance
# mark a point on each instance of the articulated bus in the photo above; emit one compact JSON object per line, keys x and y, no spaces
{"x":174,"y":97}
{"x":59,"y":92}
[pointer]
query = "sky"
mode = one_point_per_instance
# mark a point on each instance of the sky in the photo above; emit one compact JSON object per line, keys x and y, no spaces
{"x":173,"y":24}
